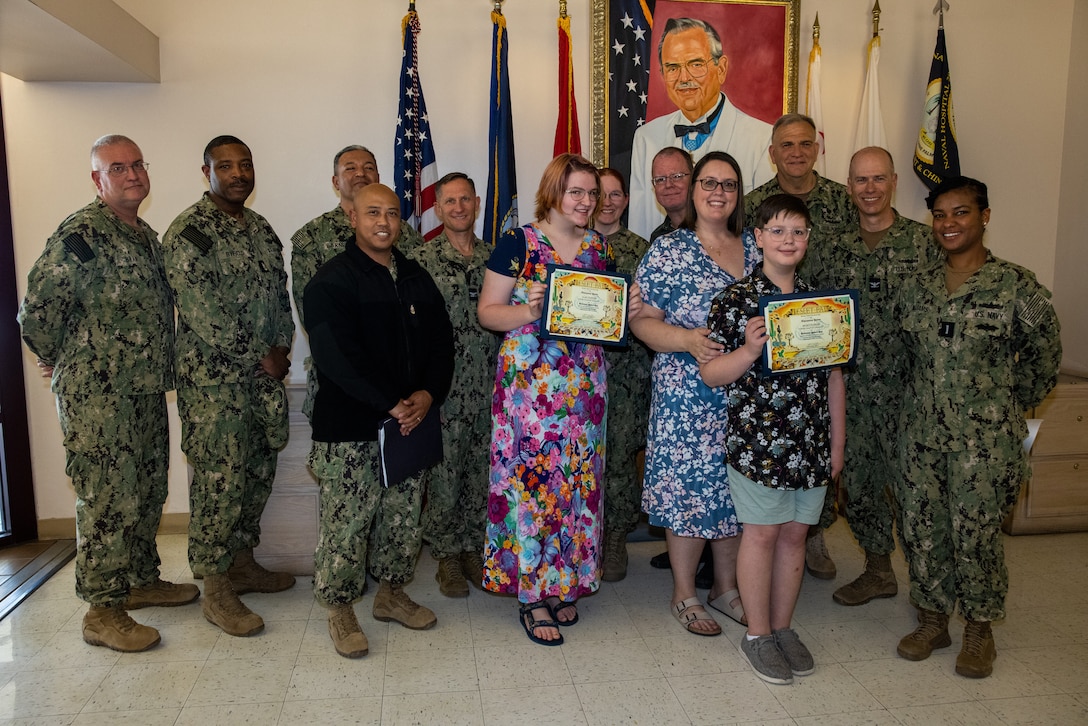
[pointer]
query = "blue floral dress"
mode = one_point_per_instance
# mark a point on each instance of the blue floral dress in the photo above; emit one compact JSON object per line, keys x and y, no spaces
{"x":685,"y":488}
{"x":547,"y":442}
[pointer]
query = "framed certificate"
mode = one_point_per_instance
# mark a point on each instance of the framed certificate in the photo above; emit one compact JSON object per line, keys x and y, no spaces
{"x":809,"y":330}
{"x":585,"y":306}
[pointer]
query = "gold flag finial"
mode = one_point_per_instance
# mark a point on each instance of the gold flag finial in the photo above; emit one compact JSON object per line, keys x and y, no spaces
{"x":876,"y":18}
{"x":562,"y":8}
{"x":498,"y":6}
{"x":411,"y":6}
{"x":816,"y":29}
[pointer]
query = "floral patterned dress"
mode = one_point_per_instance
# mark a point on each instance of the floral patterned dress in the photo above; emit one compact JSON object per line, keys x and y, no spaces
{"x":547,"y":442}
{"x":685,"y":488}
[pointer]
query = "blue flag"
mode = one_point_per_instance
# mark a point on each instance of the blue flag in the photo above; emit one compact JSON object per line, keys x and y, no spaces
{"x":413,"y":153}
{"x":501,"y":206}
{"x":937,"y":156}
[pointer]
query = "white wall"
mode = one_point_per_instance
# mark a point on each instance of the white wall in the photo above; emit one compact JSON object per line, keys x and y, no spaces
{"x":297,"y":81}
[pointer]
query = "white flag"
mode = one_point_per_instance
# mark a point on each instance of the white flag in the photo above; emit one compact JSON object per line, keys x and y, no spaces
{"x":814,"y":106}
{"x":870,"y":130}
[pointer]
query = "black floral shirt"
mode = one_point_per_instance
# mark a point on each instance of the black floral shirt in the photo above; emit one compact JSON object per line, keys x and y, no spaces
{"x":779,"y":431}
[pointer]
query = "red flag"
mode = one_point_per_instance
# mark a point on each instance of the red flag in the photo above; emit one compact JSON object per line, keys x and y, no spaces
{"x":567,"y":138}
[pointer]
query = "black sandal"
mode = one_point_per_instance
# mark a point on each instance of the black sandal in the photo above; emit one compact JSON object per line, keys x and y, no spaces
{"x":530,"y":623}
{"x":559,"y":607}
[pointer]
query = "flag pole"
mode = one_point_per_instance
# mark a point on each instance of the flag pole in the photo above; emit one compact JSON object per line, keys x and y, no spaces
{"x":939,"y":9}
{"x":876,"y":19}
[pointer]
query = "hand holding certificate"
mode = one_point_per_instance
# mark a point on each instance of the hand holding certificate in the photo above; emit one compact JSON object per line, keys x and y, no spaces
{"x":809,"y":330}
{"x":585,"y":306}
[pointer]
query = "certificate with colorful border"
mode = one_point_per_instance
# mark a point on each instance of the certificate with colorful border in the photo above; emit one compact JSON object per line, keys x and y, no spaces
{"x":585,"y":306}
{"x":809,"y":330}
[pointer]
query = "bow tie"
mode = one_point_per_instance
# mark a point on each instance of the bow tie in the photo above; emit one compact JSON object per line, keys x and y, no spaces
{"x":699,"y":128}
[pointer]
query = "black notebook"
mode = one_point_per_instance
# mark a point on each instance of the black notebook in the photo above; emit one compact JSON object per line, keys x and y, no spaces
{"x":405,"y":456}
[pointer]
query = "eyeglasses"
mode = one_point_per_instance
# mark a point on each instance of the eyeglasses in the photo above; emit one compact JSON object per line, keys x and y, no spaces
{"x":676,"y":178}
{"x":696,"y":68}
{"x":121,"y":169}
{"x":782,"y":233}
{"x":709,"y":185}
{"x":615,"y":196}
{"x":580,"y":194}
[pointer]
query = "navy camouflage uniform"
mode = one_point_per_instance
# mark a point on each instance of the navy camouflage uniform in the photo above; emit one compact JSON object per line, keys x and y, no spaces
{"x":314,"y":244}
{"x":828,"y":204}
{"x":628,"y":406}
{"x":875,"y":386}
{"x":230,"y":289}
{"x":976,"y":358}
{"x":98,"y":309}
{"x":454,"y":517}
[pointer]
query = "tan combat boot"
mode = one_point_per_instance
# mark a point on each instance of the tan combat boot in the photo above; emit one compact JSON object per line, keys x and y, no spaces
{"x":614,"y":568}
{"x":472,"y":564}
{"x":877,"y":580}
{"x":247,"y":575}
{"x":817,"y":560}
{"x":347,"y":637}
{"x":162,"y":594}
{"x":976,"y":658}
{"x":223,"y":609}
{"x":932,"y":632}
{"x":113,"y":628}
{"x":393,"y":603}
{"x":450,"y":578}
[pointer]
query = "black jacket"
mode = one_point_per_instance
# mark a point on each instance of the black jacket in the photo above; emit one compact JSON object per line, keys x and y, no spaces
{"x":374,"y":342}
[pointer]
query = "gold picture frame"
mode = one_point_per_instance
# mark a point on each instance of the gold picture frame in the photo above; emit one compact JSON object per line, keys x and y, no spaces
{"x":766,"y":33}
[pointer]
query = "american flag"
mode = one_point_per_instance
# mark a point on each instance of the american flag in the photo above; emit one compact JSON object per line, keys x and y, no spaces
{"x":414,"y":165}
{"x":630,"y":25}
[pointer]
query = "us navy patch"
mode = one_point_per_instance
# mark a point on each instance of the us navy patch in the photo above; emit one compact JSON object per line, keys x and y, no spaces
{"x":79,"y":247}
{"x":1031,"y":311}
{"x":198,"y":238}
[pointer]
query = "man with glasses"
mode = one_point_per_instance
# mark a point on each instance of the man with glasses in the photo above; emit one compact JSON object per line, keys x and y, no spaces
{"x":793,"y":151}
{"x":874,"y":256}
{"x":225,"y":265}
{"x":99,"y":316}
{"x":670,"y":175}
{"x":693,"y":68}
{"x":328,"y":234}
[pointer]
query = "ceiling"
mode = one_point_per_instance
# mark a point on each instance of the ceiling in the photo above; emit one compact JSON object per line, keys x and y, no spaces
{"x":75,"y":40}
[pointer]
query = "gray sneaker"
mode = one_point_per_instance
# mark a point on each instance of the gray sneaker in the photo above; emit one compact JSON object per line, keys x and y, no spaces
{"x":766,"y":660}
{"x":794,"y":651}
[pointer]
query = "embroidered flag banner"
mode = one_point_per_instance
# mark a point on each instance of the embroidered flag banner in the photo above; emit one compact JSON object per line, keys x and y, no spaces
{"x":501,"y":207}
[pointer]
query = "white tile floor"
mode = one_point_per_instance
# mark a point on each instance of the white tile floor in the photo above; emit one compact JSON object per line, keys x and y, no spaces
{"x":627,"y":661}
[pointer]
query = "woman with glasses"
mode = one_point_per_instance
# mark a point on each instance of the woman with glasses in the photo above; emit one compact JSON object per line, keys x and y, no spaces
{"x":685,"y":489}
{"x":628,"y":391}
{"x":548,"y":412}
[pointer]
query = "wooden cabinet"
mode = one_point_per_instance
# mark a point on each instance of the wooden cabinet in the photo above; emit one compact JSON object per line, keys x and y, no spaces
{"x":1056,"y":498}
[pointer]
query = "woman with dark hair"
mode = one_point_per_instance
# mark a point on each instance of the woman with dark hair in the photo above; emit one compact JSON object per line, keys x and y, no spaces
{"x":984,"y":344}
{"x":548,"y":412}
{"x":685,"y":489}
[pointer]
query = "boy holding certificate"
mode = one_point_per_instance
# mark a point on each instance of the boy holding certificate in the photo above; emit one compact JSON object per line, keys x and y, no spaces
{"x":783,"y":446}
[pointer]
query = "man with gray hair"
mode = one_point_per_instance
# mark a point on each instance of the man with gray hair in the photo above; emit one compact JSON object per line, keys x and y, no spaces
{"x":327,"y":235}
{"x":99,"y":315}
{"x":693,"y":68}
